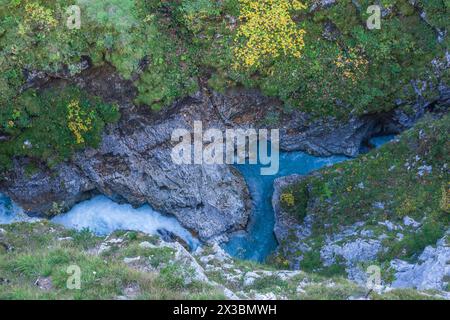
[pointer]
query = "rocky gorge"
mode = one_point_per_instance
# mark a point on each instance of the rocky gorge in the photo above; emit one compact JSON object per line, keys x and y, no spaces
{"x":317,"y":231}
{"x":86,"y":141}
{"x":133,"y":163}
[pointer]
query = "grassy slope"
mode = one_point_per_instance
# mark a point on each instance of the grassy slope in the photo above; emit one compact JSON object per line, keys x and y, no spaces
{"x":43,"y":251}
{"x":36,"y":250}
{"x":188,"y":40}
{"x":407,"y":177}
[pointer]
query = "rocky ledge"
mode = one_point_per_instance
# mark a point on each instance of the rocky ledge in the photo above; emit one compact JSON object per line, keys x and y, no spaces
{"x":356,"y":247}
{"x":133,"y":162}
{"x":136,"y":266}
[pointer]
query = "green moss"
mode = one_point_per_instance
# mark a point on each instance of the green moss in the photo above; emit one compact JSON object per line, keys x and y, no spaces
{"x":84,"y":239}
{"x":403,"y":294}
{"x":294,"y":200}
{"x":37,"y":124}
{"x":311,"y":262}
{"x":413,"y":244}
{"x":340,"y":291}
{"x":388,"y":183}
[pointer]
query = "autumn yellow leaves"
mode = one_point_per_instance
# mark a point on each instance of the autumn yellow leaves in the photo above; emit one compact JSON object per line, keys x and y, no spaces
{"x":78,"y":121}
{"x":267,"y":30}
{"x":37,"y":17}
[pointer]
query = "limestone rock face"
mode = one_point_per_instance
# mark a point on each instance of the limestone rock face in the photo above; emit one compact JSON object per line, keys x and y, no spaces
{"x":356,"y":246}
{"x":133,"y":162}
{"x":286,"y":226}
{"x":432,"y":271}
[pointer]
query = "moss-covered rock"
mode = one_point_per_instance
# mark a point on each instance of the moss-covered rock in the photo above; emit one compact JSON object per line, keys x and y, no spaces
{"x":40,"y":259}
{"x":384,"y":205}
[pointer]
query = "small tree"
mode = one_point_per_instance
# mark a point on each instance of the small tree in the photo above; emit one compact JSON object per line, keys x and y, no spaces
{"x":267,"y":31}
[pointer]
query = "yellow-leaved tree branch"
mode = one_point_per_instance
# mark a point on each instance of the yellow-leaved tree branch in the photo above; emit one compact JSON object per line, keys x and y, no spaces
{"x":267,"y":30}
{"x":78,"y":121}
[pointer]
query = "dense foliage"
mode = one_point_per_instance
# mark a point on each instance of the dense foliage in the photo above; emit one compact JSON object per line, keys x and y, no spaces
{"x":327,"y":58}
{"x":320,"y":60}
{"x":50,"y":125}
{"x":268,"y":30}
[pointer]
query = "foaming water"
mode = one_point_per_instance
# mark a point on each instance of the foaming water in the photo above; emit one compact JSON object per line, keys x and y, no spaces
{"x":10,"y":212}
{"x":103,"y":216}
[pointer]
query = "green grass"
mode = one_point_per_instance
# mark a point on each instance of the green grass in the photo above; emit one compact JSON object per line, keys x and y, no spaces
{"x":106,"y":276}
{"x":403,"y":294}
{"x":352,"y":191}
{"x":37,"y":252}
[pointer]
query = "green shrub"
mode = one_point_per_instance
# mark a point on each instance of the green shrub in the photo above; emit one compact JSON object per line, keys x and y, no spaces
{"x":39,"y":124}
{"x":294,"y":200}
{"x":171,"y":276}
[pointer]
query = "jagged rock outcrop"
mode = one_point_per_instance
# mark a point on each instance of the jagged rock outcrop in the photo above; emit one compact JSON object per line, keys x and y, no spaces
{"x":356,"y":246}
{"x":133,"y":162}
{"x":298,"y":130}
{"x":431,"y":272}
{"x":287,"y":226}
